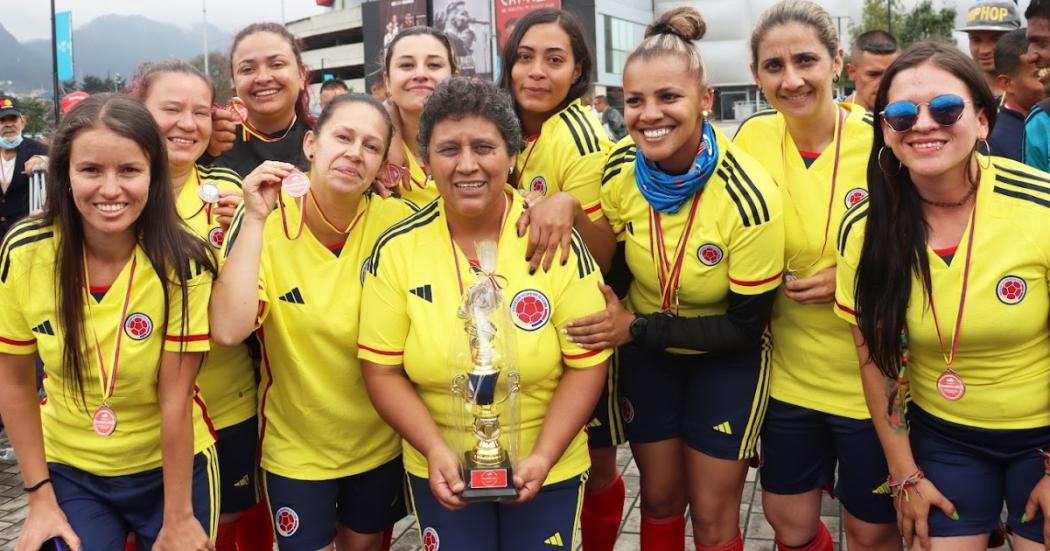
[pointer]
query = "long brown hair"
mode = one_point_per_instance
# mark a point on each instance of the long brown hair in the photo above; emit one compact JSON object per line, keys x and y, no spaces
{"x":172,"y":250}
{"x":302,"y":104}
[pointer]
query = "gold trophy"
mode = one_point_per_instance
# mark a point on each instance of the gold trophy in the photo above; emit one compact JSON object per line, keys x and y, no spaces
{"x":485,"y":395}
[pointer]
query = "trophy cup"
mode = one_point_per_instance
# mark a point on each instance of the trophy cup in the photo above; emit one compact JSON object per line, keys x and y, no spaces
{"x":485,"y":395}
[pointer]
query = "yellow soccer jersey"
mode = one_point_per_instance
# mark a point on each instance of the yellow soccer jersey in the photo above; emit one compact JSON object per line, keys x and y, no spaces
{"x":227,"y":378}
{"x":814,"y":360}
{"x":422,"y":188}
{"x":316,"y":421}
{"x":568,"y":156}
{"x":412,"y":320}
{"x":29,"y":324}
{"x":735,"y":243}
{"x":1003,"y":355}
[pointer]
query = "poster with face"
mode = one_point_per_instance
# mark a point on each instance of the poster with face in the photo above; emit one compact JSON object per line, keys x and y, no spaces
{"x":468,"y":24}
{"x":398,"y":15}
{"x":509,"y":11}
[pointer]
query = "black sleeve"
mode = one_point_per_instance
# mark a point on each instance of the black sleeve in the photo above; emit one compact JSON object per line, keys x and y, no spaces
{"x":739,"y":328}
{"x":35,"y":148}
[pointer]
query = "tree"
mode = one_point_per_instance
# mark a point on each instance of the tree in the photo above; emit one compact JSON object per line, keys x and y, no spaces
{"x":875,"y":16}
{"x":219,"y":72}
{"x":38,"y":114}
{"x":922,"y":22}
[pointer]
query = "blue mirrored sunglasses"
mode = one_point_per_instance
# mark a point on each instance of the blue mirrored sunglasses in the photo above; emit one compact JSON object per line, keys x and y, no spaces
{"x":945,"y":110}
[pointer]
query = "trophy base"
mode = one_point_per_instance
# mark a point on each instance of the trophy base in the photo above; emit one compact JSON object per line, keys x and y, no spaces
{"x":488,"y":483}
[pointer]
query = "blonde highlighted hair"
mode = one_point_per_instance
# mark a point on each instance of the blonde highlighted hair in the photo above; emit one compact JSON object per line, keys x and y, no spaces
{"x":673,"y":33}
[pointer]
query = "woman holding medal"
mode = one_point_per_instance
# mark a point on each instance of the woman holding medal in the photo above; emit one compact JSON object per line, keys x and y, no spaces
{"x":704,"y":238}
{"x":469,"y":135}
{"x":271,"y":110}
{"x":967,"y":344}
{"x":817,"y":423}
{"x":332,"y":467}
{"x":179,"y":97}
{"x":111,"y":291}
{"x":416,"y":60}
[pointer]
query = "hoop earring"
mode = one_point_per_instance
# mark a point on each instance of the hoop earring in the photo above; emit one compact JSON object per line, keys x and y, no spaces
{"x":835,"y":79}
{"x":987,"y":153}
{"x":882,"y":166}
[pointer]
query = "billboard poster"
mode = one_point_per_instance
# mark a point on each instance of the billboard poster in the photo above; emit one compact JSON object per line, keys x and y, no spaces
{"x":509,"y":11}
{"x":64,"y":44}
{"x":468,"y":24}
{"x":398,"y":15}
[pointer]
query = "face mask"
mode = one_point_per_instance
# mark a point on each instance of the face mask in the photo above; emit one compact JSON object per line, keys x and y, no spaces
{"x":11,"y":144}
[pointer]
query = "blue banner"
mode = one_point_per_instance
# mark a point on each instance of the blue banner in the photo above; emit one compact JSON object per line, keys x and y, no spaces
{"x":64,"y":42}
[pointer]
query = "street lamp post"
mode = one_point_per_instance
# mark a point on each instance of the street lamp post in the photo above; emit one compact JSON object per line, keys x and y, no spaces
{"x":54,"y":64}
{"x":204,"y":15}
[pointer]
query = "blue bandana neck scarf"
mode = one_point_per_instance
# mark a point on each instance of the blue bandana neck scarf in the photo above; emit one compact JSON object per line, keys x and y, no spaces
{"x":668,"y":192}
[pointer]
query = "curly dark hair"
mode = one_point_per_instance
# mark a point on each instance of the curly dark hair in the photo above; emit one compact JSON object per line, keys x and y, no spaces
{"x":459,"y":97}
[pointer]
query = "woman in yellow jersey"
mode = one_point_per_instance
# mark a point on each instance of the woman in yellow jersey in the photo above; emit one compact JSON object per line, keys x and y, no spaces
{"x":816,"y":425}
{"x":547,"y":69}
{"x":272,"y":115}
{"x":416,"y":60}
{"x":111,"y":290}
{"x":179,"y":97}
{"x":703,"y":234}
{"x":412,"y":334}
{"x":332,"y":468}
{"x":944,"y":272}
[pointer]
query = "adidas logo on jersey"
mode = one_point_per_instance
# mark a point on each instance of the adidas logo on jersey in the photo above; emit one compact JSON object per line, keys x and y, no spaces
{"x":293,"y":296}
{"x":724,"y":428}
{"x":242,"y":482}
{"x":423,"y":293}
{"x":595,"y":422}
{"x":44,"y":329}
{"x":555,"y":540}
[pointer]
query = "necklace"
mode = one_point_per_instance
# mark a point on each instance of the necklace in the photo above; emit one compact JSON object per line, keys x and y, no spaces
{"x":950,"y":204}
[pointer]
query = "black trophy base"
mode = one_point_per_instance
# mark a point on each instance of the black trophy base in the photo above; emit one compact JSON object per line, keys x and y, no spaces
{"x":488,"y":483}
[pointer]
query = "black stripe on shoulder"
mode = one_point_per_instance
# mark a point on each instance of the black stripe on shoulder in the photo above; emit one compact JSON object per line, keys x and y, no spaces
{"x":1022,"y":196}
{"x":629,"y":148}
{"x":734,"y":195}
{"x":31,"y":237}
{"x":222,"y":174}
{"x":584,"y":261}
{"x":581,"y":127}
{"x":759,"y":114}
{"x":855,"y":214}
{"x":588,"y":128}
{"x":235,"y":230}
{"x":609,"y":175}
{"x":425,"y":216}
{"x":750,"y":185}
{"x":1037,"y":175}
{"x":869,"y":119}
{"x":21,"y":228}
{"x":572,"y":130}
{"x":1022,"y":184}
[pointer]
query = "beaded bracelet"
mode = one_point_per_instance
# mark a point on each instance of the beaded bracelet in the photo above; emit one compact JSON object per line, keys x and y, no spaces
{"x":899,"y":488}
{"x":1046,"y":461}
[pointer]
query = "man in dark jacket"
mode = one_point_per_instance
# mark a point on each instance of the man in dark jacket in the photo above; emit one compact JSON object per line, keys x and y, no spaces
{"x":612,"y":120}
{"x":18,"y":157}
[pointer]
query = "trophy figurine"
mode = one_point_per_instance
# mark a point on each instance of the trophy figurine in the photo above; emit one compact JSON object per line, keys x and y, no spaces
{"x":487,"y":463}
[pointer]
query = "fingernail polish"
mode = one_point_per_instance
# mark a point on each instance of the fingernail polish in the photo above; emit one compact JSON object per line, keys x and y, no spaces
{"x":955,"y":515}
{"x":532,"y":271}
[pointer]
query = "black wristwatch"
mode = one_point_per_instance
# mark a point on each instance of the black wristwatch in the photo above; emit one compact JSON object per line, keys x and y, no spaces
{"x":638,"y":328}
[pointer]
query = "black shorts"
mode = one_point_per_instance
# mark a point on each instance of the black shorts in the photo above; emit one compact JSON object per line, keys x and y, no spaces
{"x":237,"y":445}
{"x":605,"y":429}
{"x":714,"y":402}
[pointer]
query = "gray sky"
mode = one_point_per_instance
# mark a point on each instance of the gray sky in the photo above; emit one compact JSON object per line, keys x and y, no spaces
{"x":31,"y":19}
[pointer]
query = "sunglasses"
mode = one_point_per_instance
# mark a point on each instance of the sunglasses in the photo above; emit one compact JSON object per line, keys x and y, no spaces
{"x":945,"y":110}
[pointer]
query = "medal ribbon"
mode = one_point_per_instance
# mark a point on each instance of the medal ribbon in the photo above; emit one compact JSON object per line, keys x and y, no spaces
{"x":324,"y":218}
{"x":455,"y":253}
{"x":108,"y":381}
{"x":949,"y":357}
{"x":247,"y":129}
{"x":840,"y":129}
{"x":205,"y":206}
{"x":669,"y":274}
{"x":532,"y":141}
{"x":284,"y":218}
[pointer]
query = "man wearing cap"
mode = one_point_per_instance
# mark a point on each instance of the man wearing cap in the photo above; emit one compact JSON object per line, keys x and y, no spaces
{"x":986,"y":22}
{"x":18,"y":157}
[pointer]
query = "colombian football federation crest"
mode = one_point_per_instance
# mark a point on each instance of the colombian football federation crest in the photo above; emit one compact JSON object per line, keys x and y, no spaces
{"x":709,"y":254}
{"x":538,"y":184}
{"x":138,"y":326}
{"x":431,"y":541}
{"x":855,"y":196}
{"x":530,"y":310}
{"x":626,"y":410}
{"x":286,"y":520}
{"x":1011,"y":289}
{"x":215,"y":237}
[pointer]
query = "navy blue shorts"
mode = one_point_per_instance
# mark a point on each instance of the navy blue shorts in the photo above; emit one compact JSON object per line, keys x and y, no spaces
{"x":103,"y":509}
{"x":236,"y":446}
{"x":978,"y":469}
{"x":802,"y":447}
{"x":605,"y":429}
{"x":549,"y":521}
{"x":305,"y":512}
{"x":714,"y":402}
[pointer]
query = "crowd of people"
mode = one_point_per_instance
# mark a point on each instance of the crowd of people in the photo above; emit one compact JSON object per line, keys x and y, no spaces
{"x":249,"y":318}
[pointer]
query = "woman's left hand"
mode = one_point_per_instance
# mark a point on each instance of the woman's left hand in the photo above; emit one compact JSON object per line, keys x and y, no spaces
{"x":549,"y":222}
{"x":609,"y":328}
{"x":1039,"y":500}
{"x":227,"y":207}
{"x":529,"y":475}
{"x":183,"y":533}
{"x":818,"y":289}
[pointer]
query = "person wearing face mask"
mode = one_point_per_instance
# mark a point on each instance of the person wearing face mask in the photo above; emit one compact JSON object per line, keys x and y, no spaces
{"x":19,"y":156}
{"x":942,"y":276}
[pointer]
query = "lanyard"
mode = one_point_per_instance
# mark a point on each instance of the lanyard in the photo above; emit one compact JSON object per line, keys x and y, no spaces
{"x":455,"y":253}
{"x":108,"y":381}
{"x":205,"y":206}
{"x":840,"y":130}
{"x":668,"y":272}
{"x":949,"y":357}
{"x":533,"y":141}
{"x":324,"y":218}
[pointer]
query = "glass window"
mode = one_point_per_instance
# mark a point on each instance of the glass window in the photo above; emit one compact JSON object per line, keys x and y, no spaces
{"x":621,"y":36}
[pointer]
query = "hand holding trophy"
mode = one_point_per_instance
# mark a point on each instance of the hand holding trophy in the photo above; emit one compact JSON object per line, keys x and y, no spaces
{"x":482,"y":393}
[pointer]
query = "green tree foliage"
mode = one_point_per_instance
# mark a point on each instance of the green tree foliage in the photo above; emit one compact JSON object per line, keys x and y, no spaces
{"x":38,"y":114}
{"x":94,"y":85}
{"x":219,"y":72}
{"x":922,"y":22}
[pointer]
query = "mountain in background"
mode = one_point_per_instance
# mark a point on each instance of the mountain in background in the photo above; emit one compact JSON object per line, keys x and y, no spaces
{"x":111,"y":44}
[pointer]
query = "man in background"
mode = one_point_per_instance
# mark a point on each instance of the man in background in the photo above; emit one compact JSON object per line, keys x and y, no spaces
{"x":18,"y":157}
{"x":611,"y":119}
{"x":1019,"y":80}
{"x":1037,"y":125}
{"x":986,"y":23}
{"x":871,"y":53}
